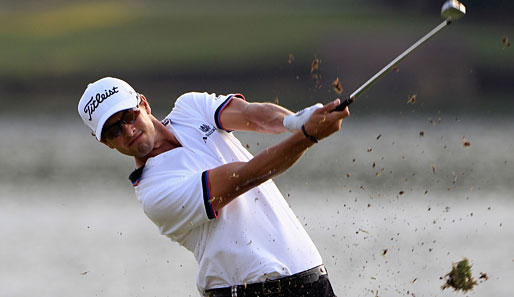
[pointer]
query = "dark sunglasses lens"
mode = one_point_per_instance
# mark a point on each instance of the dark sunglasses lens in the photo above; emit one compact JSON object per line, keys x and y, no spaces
{"x":130,"y":116}
{"x":112,"y":131}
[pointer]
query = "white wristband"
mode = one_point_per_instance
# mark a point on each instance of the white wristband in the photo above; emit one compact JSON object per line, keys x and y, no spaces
{"x":295,"y":121}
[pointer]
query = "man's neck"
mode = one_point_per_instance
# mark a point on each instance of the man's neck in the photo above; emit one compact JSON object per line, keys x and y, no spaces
{"x":165,"y":141}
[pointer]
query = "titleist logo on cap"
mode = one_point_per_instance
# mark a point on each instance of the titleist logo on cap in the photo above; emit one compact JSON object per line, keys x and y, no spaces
{"x":93,"y":103}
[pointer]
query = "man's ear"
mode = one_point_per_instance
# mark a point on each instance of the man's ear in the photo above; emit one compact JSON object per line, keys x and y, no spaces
{"x":107,"y":144}
{"x":144,"y":102}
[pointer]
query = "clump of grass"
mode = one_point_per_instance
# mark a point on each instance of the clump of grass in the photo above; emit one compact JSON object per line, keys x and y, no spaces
{"x":460,"y":278}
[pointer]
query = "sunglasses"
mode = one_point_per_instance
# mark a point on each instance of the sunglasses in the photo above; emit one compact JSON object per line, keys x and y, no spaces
{"x":114,"y":130}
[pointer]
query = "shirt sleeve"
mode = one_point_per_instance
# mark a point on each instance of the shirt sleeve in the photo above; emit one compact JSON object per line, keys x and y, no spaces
{"x":208,"y":106}
{"x":177,"y":204}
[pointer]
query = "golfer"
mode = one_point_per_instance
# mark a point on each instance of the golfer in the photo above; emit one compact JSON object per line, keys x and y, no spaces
{"x":204,"y":190}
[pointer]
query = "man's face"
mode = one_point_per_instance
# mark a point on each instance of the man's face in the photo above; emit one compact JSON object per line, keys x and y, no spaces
{"x":136,"y":139}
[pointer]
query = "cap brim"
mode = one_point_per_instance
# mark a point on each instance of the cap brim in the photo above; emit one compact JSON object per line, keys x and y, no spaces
{"x":125,"y":104}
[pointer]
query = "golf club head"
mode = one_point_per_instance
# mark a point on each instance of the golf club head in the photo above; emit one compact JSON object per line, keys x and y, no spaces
{"x":453,"y":10}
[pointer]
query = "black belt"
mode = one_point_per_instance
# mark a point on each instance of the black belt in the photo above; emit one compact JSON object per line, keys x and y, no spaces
{"x":271,"y":286}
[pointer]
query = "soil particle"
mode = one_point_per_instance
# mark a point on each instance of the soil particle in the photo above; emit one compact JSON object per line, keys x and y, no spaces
{"x":290,"y":59}
{"x":336,"y":85}
{"x":412,"y":99}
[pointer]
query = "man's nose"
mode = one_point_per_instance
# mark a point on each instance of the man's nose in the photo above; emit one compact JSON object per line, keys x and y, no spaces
{"x":128,"y":129}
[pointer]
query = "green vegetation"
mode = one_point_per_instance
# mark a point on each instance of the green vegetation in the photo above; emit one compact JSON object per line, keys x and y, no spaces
{"x":51,"y":47}
{"x":80,"y":36}
{"x":460,"y":277}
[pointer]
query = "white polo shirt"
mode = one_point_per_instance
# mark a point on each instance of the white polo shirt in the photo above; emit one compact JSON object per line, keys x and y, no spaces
{"x":253,"y":238}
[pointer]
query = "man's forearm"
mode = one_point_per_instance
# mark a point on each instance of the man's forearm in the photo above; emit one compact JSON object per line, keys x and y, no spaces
{"x":234,"y":179}
{"x":275,"y":160}
{"x":258,"y":117}
{"x":267,"y":117}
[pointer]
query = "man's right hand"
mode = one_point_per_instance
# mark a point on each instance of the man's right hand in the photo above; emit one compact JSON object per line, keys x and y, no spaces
{"x":324,"y":121}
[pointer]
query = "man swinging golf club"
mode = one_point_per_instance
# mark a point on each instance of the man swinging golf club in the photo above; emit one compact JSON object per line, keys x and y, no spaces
{"x":203,"y":189}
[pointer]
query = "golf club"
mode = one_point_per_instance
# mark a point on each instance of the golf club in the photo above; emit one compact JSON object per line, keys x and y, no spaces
{"x":452,"y":10}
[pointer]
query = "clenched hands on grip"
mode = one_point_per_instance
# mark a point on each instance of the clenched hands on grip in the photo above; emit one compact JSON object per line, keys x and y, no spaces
{"x":324,"y":121}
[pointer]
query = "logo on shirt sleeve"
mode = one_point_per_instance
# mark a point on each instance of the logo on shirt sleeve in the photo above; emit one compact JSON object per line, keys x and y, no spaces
{"x":207,"y":130}
{"x":166,"y":121}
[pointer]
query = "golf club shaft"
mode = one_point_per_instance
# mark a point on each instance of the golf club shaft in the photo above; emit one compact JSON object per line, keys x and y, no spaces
{"x":389,"y":66}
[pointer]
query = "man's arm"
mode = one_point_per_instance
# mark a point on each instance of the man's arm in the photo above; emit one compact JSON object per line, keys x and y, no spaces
{"x":240,"y":115}
{"x":233,"y":179}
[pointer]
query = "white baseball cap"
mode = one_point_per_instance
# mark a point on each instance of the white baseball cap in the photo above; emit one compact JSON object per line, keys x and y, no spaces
{"x":102,"y":99}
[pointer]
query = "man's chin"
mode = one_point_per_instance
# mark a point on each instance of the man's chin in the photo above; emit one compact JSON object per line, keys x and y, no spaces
{"x":143,"y":150}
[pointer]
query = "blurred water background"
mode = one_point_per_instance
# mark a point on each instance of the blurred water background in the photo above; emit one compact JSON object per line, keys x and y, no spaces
{"x":391,"y":201}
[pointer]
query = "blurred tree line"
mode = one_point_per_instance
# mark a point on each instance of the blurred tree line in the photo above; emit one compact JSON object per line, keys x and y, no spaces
{"x":52,"y":48}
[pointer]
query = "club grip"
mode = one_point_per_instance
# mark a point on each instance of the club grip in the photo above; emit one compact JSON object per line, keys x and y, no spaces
{"x":343,"y":104}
